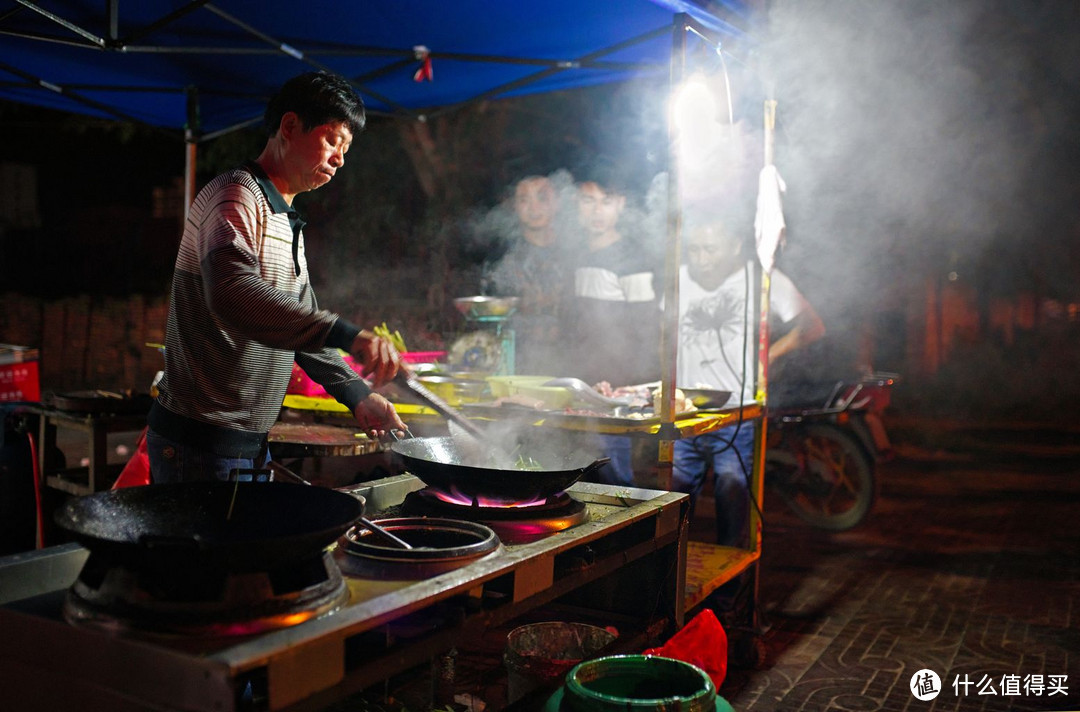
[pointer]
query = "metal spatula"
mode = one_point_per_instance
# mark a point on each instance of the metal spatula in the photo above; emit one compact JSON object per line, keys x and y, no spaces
{"x":472,"y":441}
{"x":438,"y":404}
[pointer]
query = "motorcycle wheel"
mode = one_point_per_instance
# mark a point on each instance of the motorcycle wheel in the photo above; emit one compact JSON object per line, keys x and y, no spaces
{"x":823,"y":475}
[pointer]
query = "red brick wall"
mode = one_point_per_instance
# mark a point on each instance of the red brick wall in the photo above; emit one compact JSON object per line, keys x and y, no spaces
{"x":88,"y":342}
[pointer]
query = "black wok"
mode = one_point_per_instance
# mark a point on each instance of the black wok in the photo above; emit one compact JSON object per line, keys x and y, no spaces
{"x":245,"y":526}
{"x":443,"y":463}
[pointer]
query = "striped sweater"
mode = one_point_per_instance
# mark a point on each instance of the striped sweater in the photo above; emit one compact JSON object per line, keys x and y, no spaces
{"x":241,"y":311}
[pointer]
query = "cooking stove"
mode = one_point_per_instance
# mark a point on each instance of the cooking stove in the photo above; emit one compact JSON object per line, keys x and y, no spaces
{"x":621,"y":552}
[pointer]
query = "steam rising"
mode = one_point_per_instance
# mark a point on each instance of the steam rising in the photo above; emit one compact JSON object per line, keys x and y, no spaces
{"x":909,"y":134}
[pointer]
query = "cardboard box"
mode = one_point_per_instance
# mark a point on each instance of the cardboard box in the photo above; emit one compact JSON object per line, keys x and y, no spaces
{"x":19,"y":376}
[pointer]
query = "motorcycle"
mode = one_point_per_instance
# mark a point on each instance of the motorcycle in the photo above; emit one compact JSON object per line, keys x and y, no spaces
{"x":823,"y":446}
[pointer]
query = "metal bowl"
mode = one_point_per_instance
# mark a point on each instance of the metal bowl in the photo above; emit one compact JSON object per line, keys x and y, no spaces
{"x":486,"y":306}
{"x":706,"y":398}
{"x":454,"y":390}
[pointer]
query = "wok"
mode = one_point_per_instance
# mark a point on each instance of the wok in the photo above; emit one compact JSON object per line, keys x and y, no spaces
{"x":443,"y":463}
{"x":241,"y":526}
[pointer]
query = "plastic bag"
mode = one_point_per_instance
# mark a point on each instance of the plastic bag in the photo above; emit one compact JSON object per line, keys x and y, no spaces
{"x":701,"y":642}
{"x":137,"y":470}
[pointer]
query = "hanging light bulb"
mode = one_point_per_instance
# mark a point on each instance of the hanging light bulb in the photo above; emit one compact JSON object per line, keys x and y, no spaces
{"x":693,"y":111}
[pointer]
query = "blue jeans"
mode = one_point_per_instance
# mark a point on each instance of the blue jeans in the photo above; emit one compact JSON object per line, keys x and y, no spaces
{"x":171,"y":461}
{"x":620,"y":470}
{"x":731,"y":456}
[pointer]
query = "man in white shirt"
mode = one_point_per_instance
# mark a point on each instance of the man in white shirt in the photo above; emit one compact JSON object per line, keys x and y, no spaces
{"x":716,"y":350}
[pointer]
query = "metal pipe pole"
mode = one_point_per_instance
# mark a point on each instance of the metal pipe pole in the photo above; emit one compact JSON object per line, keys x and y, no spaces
{"x":761,"y":394}
{"x":191,"y":138}
{"x":669,"y":331}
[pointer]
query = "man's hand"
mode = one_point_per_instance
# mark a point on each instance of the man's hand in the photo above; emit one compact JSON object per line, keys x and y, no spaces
{"x":377,"y":355}
{"x":376,"y":416}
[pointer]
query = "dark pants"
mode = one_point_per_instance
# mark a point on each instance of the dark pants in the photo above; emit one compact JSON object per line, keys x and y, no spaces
{"x":730,"y":453}
{"x":171,"y":461}
{"x":620,"y":471}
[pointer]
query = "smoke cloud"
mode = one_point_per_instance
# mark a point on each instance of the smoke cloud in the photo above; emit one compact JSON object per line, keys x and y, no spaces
{"x":915,"y":137}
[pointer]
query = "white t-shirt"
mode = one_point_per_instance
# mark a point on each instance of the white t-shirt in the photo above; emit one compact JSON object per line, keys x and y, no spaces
{"x":619,"y":272}
{"x":715,"y":325}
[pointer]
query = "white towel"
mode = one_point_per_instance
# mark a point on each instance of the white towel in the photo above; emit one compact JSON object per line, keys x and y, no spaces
{"x":769,"y":220}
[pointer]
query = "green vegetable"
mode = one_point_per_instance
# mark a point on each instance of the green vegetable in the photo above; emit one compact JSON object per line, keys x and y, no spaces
{"x":527,"y":463}
{"x":395,"y":338}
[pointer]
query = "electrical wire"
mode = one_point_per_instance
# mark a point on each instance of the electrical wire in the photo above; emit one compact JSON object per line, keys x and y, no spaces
{"x":727,"y":87}
{"x":746,"y":321}
{"x":729,"y":444}
{"x":40,"y":525}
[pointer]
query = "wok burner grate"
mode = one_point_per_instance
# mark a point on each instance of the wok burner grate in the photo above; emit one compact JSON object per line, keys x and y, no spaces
{"x":206,"y":602}
{"x":513,"y":522}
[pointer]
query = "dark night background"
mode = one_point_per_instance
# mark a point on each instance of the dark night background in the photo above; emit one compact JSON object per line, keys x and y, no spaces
{"x":927,"y":147}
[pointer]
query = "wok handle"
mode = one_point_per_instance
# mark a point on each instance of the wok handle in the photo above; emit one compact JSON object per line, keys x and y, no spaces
{"x":398,"y":438}
{"x":594,"y":466}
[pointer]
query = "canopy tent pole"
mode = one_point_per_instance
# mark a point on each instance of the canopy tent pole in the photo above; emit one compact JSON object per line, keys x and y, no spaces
{"x":762,"y":387}
{"x":669,"y":327}
{"x":190,"y":156}
{"x":191,"y":149}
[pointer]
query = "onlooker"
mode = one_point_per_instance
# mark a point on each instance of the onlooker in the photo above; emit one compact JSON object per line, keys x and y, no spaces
{"x":535,"y":269}
{"x":242,"y":308}
{"x":615,"y":337}
{"x":717,"y":350}
{"x":615,"y":305}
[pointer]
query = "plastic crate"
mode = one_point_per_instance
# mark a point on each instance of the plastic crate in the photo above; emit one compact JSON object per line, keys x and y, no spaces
{"x":19,"y":374}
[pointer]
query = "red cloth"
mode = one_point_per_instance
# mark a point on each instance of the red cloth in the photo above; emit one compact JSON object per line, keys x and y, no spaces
{"x":137,"y":470}
{"x":701,"y":642}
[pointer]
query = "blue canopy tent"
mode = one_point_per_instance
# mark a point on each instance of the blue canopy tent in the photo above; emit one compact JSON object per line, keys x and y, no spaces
{"x":208,"y":67}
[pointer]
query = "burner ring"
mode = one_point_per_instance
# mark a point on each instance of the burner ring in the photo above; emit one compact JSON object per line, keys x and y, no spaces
{"x":433,"y":539}
{"x":513,"y":525}
{"x":440,"y":545}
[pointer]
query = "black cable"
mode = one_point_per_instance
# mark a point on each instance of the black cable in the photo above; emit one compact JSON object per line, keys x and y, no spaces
{"x":742,"y":392}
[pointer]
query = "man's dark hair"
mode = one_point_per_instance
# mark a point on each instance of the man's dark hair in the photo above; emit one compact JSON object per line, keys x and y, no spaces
{"x":609,"y":174}
{"x":317,"y":98}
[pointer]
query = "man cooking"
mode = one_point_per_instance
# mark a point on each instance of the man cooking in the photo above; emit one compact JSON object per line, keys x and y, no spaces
{"x":242,"y":308}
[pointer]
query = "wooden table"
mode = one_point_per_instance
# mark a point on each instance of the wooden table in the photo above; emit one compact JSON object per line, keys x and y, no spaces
{"x":98,"y":475}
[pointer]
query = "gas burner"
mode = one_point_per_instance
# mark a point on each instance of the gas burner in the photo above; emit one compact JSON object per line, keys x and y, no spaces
{"x":439,"y":545}
{"x":204,"y":603}
{"x":514,"y":522}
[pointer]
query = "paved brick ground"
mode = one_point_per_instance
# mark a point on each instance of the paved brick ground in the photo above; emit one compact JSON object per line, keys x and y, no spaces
{"x":968,"y":566}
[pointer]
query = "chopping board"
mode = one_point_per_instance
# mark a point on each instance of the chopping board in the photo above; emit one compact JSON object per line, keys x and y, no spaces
{"x":311,"y":439}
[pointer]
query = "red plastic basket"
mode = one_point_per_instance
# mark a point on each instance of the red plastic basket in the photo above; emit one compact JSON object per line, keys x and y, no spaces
{"x":301,"y":385}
